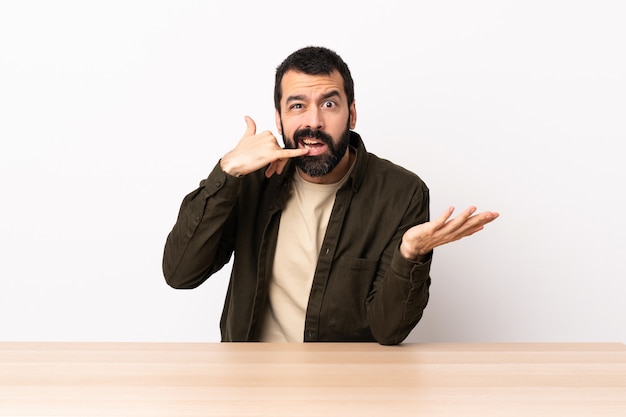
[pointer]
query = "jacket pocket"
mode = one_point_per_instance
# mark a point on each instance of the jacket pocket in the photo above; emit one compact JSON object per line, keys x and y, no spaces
{"x":346,"y":297}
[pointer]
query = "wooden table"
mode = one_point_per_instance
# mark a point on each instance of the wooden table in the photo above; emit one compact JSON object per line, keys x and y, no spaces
{"x":359,"y":379}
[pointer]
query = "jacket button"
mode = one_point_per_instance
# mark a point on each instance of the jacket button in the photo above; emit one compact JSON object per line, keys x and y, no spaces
{"x":218,"y":184}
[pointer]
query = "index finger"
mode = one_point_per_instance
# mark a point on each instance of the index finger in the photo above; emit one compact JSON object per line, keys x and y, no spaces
{"x":278,"y":164}
{"x":291,"y":153}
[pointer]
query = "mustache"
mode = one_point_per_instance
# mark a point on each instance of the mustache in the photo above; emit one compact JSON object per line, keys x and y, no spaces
{"x":312,"y":133}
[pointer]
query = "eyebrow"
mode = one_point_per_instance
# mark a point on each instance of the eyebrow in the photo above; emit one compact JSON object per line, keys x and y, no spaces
{"x":332,"y":93}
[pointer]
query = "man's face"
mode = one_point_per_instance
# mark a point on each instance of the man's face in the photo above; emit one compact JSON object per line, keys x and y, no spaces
{"x":315,"y":115}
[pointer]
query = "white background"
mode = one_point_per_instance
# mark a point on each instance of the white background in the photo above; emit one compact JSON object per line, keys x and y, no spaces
{"x":112,"y":111}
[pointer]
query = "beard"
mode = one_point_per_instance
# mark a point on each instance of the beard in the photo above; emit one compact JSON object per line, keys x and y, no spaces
{"x":319,"y":165}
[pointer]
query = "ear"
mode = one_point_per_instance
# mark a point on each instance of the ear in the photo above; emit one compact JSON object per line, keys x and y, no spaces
{"x":278,"y":123}
{"x":353,"y":115}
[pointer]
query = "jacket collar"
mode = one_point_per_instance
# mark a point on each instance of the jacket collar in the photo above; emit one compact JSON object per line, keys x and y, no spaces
{"x":360,"y":167}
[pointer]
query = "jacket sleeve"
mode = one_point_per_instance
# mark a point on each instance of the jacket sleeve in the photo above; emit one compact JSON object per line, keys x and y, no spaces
{"x":401,"y":290}
{"x":202,"y":239}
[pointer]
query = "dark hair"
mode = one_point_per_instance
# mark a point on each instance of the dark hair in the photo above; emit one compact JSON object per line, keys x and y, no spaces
{"x":314,"y":60}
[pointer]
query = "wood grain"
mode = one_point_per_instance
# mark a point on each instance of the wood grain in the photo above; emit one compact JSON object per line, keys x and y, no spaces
{"x":336,"y":379}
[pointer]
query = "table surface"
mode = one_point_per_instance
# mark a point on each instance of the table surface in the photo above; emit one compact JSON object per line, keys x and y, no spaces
{"x":317,"y":379}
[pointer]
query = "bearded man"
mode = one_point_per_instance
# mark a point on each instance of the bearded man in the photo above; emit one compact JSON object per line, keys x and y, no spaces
{"x":331,"y":243}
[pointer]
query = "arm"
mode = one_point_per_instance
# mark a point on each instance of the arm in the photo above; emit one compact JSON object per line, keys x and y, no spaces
{"x":401,"y":289}
{"x":401,"y":293}
{"x":203,"y":238}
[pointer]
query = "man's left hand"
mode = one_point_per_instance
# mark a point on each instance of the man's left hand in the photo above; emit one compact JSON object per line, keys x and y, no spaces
{"x":421,"y":239}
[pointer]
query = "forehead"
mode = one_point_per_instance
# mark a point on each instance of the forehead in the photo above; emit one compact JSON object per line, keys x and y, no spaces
{"x":296,"y":83}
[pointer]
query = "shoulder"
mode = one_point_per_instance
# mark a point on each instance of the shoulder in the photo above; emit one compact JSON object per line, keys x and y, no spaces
{"x":382,"y":166}
{"x":389,"y":176}
{"x":374,"y":171}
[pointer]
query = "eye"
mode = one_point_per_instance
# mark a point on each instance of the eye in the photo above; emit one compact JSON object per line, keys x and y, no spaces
{"x":296,"y":106}
{"x":329,"y":104}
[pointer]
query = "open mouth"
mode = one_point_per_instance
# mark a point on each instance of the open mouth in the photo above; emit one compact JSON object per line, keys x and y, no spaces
{"x":312,"y":143}
{"x":315,"y":146}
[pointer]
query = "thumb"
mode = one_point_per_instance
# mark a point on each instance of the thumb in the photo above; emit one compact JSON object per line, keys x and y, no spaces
{"x":250,"y":126}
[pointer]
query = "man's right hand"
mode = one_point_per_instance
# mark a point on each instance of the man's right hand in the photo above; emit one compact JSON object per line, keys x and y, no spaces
{"x":254,"y":151}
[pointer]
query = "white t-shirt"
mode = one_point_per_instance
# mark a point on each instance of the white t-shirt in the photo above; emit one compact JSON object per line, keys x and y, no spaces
{"x":300,"y":235}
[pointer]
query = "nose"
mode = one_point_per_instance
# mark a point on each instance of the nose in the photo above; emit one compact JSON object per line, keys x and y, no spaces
{"x":314,"y":118}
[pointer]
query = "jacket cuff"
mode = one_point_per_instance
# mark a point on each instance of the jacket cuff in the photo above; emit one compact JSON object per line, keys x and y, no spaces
{"x":218,"y":180}
{"x":409,"y":269}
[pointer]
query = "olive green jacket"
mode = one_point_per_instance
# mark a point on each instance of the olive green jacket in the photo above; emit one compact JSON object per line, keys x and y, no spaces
{"x":363,"y":289}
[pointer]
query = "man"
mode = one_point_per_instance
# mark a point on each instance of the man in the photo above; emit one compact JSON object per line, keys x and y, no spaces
{"x":330,"y":242}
